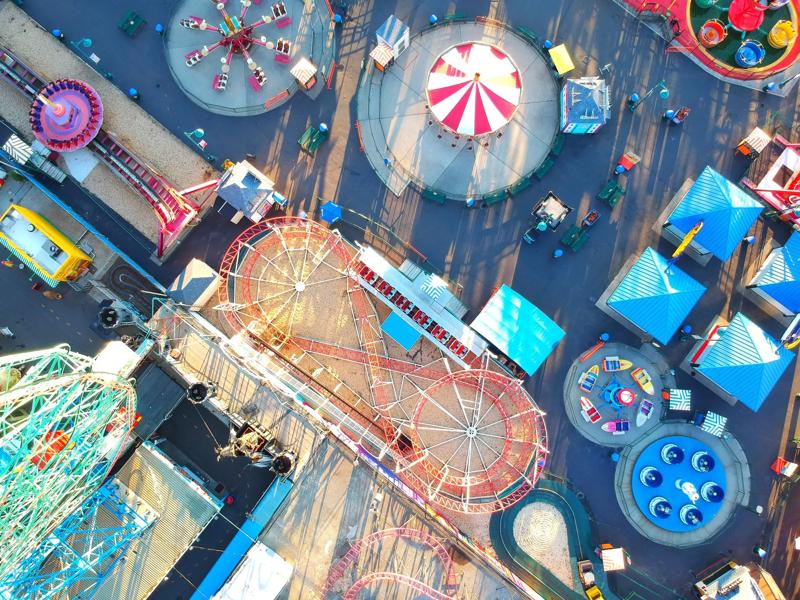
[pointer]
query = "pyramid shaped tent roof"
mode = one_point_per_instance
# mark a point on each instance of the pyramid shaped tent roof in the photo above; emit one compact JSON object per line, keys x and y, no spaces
{"x":726,"y":210}
{"x":780,"y":275}
{"x":745,"y":362}
{"x":586,"y":101}
{"x":655,"y":296}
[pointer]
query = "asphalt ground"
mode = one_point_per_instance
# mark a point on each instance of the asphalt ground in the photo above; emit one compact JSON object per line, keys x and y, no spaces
{"x":480,"y":248}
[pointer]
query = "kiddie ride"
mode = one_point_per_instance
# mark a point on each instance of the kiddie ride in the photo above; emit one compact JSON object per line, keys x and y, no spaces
{"x":549,"y":212}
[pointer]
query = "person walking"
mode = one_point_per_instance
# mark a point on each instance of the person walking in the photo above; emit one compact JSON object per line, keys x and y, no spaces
{"x":52,"y":295}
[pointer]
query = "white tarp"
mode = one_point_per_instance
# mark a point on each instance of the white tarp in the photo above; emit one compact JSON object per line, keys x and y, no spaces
{"x":261,"y":575}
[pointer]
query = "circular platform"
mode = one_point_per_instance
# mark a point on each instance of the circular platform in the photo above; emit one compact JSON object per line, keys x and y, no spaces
{"x":66,"y":115}
{"x":250,"y":43}
{"x":743,"y":21}
{"x":678,"y":483}
{"x":679,"y":486}
{"x":615,"y":395}
{"x":469,"y":110}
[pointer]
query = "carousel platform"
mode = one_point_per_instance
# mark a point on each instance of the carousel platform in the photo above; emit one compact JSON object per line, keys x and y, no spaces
{"x":406,"y":144}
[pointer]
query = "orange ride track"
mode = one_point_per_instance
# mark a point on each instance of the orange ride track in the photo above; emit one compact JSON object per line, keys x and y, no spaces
{"x":516,"y":439}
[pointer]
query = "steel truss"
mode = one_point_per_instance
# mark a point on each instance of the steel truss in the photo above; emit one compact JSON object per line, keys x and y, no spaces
{"x":84,"y":549}
{"x":62,"y":427}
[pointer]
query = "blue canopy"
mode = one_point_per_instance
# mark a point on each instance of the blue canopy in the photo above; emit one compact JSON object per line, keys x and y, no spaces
{"x":779,"y":277}
{"x":726,"y":210}
{"x":400,"y":331}
{"x":518,"y":329}
{"x":745,"y":362}
{"x":330,"y":212}
{"x":392,"y":30}
{"x":655,"y":296}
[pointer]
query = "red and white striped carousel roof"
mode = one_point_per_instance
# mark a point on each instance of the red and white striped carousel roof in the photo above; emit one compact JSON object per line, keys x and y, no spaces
{"x":473,"y":89}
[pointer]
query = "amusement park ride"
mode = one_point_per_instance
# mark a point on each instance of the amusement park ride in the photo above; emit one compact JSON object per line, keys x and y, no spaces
{"x":238,"y":39}
{"x":62,"y":428}
{"x":67,"y":115}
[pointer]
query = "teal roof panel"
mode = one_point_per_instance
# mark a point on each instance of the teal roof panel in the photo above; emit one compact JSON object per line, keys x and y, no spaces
{"x":655,"y":296}
{"x":518,"y":329}
{"x":780,"y":275}
{"x":726,"y":210}
{"x":746,"y":362}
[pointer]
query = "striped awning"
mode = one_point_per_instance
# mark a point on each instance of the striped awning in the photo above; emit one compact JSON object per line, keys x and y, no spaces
{"x":37,"y":270}
{"x":382,"y":54}
{"x":714,"y":424}
{"x":19,"y":150}
{"x":680,"y":399}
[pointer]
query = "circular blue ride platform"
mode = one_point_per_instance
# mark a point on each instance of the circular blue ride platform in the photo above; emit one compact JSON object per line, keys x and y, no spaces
{"x":678,"y":483}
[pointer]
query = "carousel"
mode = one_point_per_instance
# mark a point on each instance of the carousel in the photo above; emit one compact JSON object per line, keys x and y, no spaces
{"x":457,"y":118}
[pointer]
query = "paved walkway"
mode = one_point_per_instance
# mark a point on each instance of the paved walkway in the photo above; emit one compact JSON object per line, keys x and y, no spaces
{"x":592,"y":431}
{"x":397,"y":126}
{"x":737,"y":481}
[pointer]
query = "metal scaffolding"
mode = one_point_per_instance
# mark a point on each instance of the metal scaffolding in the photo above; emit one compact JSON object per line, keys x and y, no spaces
{"x":84,"y":549}
{"x":62,"y":427}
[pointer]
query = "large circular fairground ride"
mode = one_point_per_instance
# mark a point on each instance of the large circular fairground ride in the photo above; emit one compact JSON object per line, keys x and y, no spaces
{"x":66,"y":115}
{"x":472,"y":441}
{"x":62,"y":427}
{"x":235,"y":38}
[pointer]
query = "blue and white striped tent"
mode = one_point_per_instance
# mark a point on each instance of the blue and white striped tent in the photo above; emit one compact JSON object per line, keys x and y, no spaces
{"x":743,"y":360}
{"x":395,"y":34}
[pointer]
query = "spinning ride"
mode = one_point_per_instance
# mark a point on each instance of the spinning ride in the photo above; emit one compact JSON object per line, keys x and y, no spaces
{"x":62,"y":427}
{"x":472,"y":441}
{"x":237,"y":39}
{"x":66,"y":115}
{"x":746,"y":34}
{"x":473,"y":89}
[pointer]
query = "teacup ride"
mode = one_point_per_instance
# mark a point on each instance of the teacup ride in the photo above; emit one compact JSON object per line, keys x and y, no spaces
{"x":782,"y":34}
{"x":746,"y":16}
{"x":750,"y":54}
{"x":712,"y":33}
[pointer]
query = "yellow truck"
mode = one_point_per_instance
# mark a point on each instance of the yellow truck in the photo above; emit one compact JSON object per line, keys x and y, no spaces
{"x":586,"y":574}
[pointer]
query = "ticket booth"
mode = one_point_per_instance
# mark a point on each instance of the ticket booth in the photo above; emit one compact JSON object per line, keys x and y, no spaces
{"x":305,"y":73}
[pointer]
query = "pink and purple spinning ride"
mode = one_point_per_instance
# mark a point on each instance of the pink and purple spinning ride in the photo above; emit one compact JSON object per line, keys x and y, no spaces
{"x":66,"y":115}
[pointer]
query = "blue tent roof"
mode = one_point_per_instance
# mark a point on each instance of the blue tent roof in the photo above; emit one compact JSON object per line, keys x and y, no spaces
{"x":585,"y":102}
{"x":746,"y":362}
{"x":780,"y":277}
{"x":392,"y":30}
{"x":653,"y":299}
{"x":518,"y":329}
{"x":727,"y":212}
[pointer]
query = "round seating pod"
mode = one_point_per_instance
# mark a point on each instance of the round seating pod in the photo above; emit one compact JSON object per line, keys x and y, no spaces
{"x":712,"y":33}
{"x":750,"y":54}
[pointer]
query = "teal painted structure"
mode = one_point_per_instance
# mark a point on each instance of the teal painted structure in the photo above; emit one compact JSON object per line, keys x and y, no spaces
{"x":745,"y":361}
{"x":727,"y":212}
{"x":518,"y":329}
{"x":655,"y":296}
{"x":244,"y":539}
{"x":779,"y":277}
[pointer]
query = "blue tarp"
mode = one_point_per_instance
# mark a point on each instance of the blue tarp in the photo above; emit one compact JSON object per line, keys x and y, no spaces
{"x":780,"y":277}
{"x":392,"y":30}
{"x":726,"y":210}
{"x":518,"y":329}
{"x":746,"y":361}
{"x":330,"y":212}
{"x":400,"y":331}
{"x":655,"y":296}
{"x":243,"y":540}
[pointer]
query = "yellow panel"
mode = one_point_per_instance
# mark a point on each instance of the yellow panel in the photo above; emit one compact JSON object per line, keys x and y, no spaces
{"x":50,"y":231}
{"x":561,"y":59}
